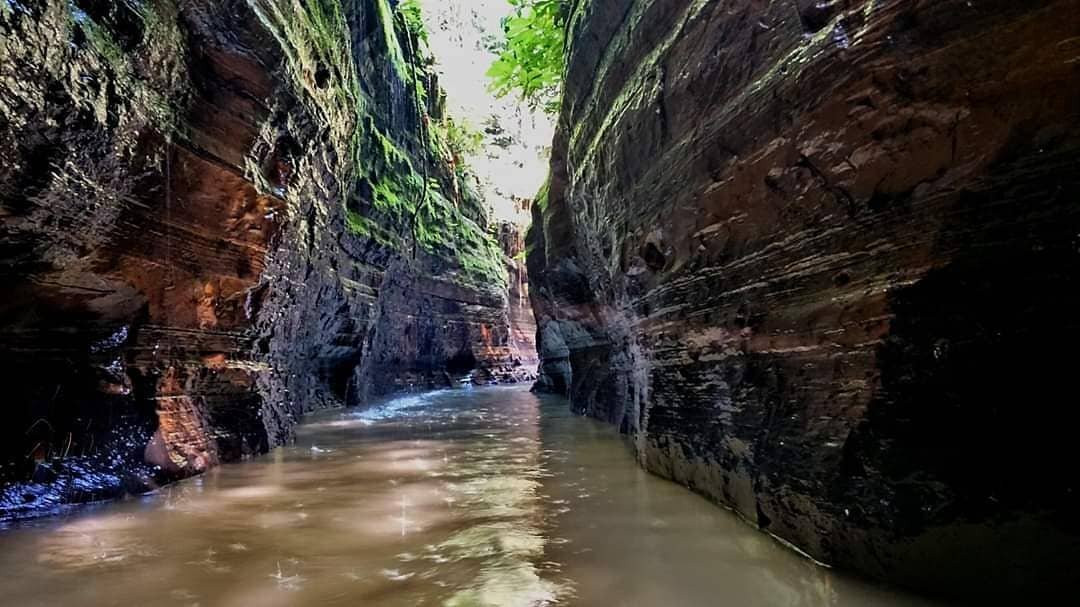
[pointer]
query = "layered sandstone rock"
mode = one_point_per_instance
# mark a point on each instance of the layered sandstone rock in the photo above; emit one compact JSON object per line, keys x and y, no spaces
{"x":820,"y":259}
{"x":209,"y":224}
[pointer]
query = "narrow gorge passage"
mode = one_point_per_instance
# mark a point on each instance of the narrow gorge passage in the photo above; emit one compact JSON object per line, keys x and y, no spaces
{"x":491,"y":496}
{"x":539,"y":302}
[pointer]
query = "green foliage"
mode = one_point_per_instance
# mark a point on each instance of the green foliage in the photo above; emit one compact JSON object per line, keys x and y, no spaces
{"x":462,"y":139}
{"x":316,"y":39}
{"x":530,"y":59}
{"x":414,"y":19}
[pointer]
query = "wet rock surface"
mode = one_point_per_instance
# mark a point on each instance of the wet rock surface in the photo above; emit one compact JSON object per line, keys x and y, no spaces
{"x":819,"y":259}
{"x":208,"y":225}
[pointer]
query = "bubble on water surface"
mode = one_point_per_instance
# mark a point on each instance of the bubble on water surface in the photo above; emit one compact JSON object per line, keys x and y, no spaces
{"x":287,"y":582}
{"x":396,"y":575}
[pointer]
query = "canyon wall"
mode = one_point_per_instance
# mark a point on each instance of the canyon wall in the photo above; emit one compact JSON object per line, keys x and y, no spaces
{"x":216,"y":215}
{"x":820,"y":260}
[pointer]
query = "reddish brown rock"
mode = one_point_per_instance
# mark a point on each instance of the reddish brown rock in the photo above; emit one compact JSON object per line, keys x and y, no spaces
{"x":193,"y":247}
{"x":820,"y":259}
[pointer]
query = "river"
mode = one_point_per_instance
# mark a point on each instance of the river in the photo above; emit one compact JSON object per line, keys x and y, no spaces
{"x":490,"y":496}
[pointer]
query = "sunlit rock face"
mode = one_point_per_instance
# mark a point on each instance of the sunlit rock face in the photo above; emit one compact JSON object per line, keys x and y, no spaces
{"x":819,"y":258}
{"x":208,"y":225}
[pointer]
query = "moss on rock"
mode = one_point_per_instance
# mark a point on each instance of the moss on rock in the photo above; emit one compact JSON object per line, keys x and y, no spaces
{"x":404,"y":170}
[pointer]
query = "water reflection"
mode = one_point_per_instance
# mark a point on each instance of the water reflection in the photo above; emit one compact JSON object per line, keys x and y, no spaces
{"x":485,"y":497}
{"x":623,"y":537}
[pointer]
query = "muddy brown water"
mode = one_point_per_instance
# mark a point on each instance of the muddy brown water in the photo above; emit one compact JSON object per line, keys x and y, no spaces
{"x":488,"y":496}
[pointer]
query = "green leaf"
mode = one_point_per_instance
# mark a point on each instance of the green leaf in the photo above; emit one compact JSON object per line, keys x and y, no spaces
{"x":531,"y":60}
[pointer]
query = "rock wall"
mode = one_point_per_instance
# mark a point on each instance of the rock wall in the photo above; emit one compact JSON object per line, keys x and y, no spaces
{"x":216,"y":215}
{"x":522,"y":339}
{"x":820,"y":260}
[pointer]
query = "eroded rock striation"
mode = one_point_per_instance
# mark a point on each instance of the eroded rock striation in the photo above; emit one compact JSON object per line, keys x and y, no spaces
{"x":820,"y":260}
{"x":216,"y":215}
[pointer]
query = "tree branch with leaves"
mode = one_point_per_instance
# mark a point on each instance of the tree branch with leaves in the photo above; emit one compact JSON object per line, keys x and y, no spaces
{"x":530,"y":61}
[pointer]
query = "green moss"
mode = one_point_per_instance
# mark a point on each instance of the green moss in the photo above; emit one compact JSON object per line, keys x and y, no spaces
{"x":317,"y":44}
{"x":165,"y":46}
{"x":154,"y":95}
{"x":364,"y":226}
{"x":541,"y":199}
{"x":396,"y":56}
{"x":316,"y":39}
{"x":476,"y":251}
{"x":102,"y":43}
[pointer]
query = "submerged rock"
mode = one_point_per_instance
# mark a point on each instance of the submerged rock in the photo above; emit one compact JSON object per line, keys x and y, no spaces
{"x":820,"y":260}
